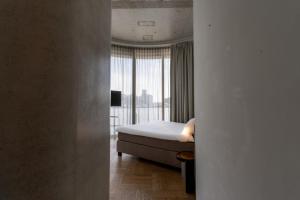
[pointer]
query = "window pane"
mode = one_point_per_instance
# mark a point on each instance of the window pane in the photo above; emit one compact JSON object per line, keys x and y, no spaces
{"x":121,"y":80}
{"x":167,"y":96}
{"x":148,"y":85}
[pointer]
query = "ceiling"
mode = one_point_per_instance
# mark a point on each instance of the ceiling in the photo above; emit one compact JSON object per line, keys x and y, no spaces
{"x":152,"y":21}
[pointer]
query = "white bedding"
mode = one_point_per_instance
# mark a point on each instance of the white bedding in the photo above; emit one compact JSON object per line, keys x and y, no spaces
{"x":158,"y":129}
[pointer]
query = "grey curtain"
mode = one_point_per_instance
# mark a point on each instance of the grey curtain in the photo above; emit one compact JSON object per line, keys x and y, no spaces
{"x":182,"y":82}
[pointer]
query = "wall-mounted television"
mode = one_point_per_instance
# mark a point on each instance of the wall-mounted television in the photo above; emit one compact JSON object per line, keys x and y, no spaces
{"x":115,"y":98}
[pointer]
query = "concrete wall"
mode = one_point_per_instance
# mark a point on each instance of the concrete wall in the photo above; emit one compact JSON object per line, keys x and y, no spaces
{"x":247,"y":76}
{"x":54,"y":119}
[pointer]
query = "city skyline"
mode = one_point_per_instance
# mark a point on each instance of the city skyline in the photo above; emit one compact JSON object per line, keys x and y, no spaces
{"x":143,"y":100}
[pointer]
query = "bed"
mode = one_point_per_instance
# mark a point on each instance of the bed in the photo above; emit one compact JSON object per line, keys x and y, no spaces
{"x":158,"y":141}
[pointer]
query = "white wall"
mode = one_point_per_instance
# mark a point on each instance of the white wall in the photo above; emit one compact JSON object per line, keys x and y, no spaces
{"x":54,"y":99}
{"x":247,"y":90}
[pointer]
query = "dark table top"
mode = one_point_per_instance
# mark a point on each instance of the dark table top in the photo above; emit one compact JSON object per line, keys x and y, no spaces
{"x":185,"y":156}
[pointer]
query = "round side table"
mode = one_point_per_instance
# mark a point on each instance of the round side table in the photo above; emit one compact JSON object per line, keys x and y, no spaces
{"x":188,"y":158}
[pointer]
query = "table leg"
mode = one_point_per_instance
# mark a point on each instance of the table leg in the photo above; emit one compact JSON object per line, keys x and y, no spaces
{"x":190,"y":176}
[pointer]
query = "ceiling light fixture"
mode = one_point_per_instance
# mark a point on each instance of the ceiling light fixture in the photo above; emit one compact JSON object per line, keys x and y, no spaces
{"x":148,"y":37}
{"x":146,"y":23}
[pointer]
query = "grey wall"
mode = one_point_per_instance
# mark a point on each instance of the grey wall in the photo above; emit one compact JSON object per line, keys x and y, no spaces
{"x":54,"y":119}
{"x":247,"y":76}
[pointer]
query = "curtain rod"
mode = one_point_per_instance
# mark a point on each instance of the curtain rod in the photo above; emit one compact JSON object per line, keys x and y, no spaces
{"x":149,"y":45}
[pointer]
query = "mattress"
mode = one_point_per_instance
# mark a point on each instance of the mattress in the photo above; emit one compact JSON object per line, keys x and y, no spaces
{"x":159,"y":130}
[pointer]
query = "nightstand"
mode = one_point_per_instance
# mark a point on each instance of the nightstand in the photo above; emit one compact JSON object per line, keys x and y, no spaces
{"x":188,"y":158}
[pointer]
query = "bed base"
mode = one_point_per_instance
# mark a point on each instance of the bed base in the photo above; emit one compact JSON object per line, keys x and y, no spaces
{"x":154,"y":149}
{"x":150,"y":153}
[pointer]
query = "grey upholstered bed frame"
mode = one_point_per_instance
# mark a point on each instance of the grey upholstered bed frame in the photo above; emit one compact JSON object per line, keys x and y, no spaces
{"x":158,"y":150}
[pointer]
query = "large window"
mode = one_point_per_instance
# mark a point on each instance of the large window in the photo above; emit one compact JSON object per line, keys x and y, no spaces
{"x":143,"y":77}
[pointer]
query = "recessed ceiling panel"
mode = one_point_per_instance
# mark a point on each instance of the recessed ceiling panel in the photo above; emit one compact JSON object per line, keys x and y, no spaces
{"x":164,"y":24}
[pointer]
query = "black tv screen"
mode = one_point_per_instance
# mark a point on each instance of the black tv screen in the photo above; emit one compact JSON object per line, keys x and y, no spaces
{"x":115,"y":99}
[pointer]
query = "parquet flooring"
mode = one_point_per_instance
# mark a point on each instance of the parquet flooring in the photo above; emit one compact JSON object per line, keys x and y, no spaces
{"x":132,"y":178}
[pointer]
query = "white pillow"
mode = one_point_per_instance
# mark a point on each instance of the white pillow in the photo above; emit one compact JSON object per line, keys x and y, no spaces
{"x":189,"y":130}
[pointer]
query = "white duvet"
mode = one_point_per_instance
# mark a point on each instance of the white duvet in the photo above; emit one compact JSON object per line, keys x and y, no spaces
{"x":158,"y":129}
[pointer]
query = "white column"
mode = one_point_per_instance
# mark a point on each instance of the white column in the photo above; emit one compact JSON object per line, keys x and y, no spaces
{"x":247,"y":90}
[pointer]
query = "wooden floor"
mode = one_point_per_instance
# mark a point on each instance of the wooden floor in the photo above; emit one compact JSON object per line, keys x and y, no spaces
{"x":137,"y":179}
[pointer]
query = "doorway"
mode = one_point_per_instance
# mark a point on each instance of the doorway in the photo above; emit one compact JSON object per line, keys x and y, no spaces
{"x":143,"y":33}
